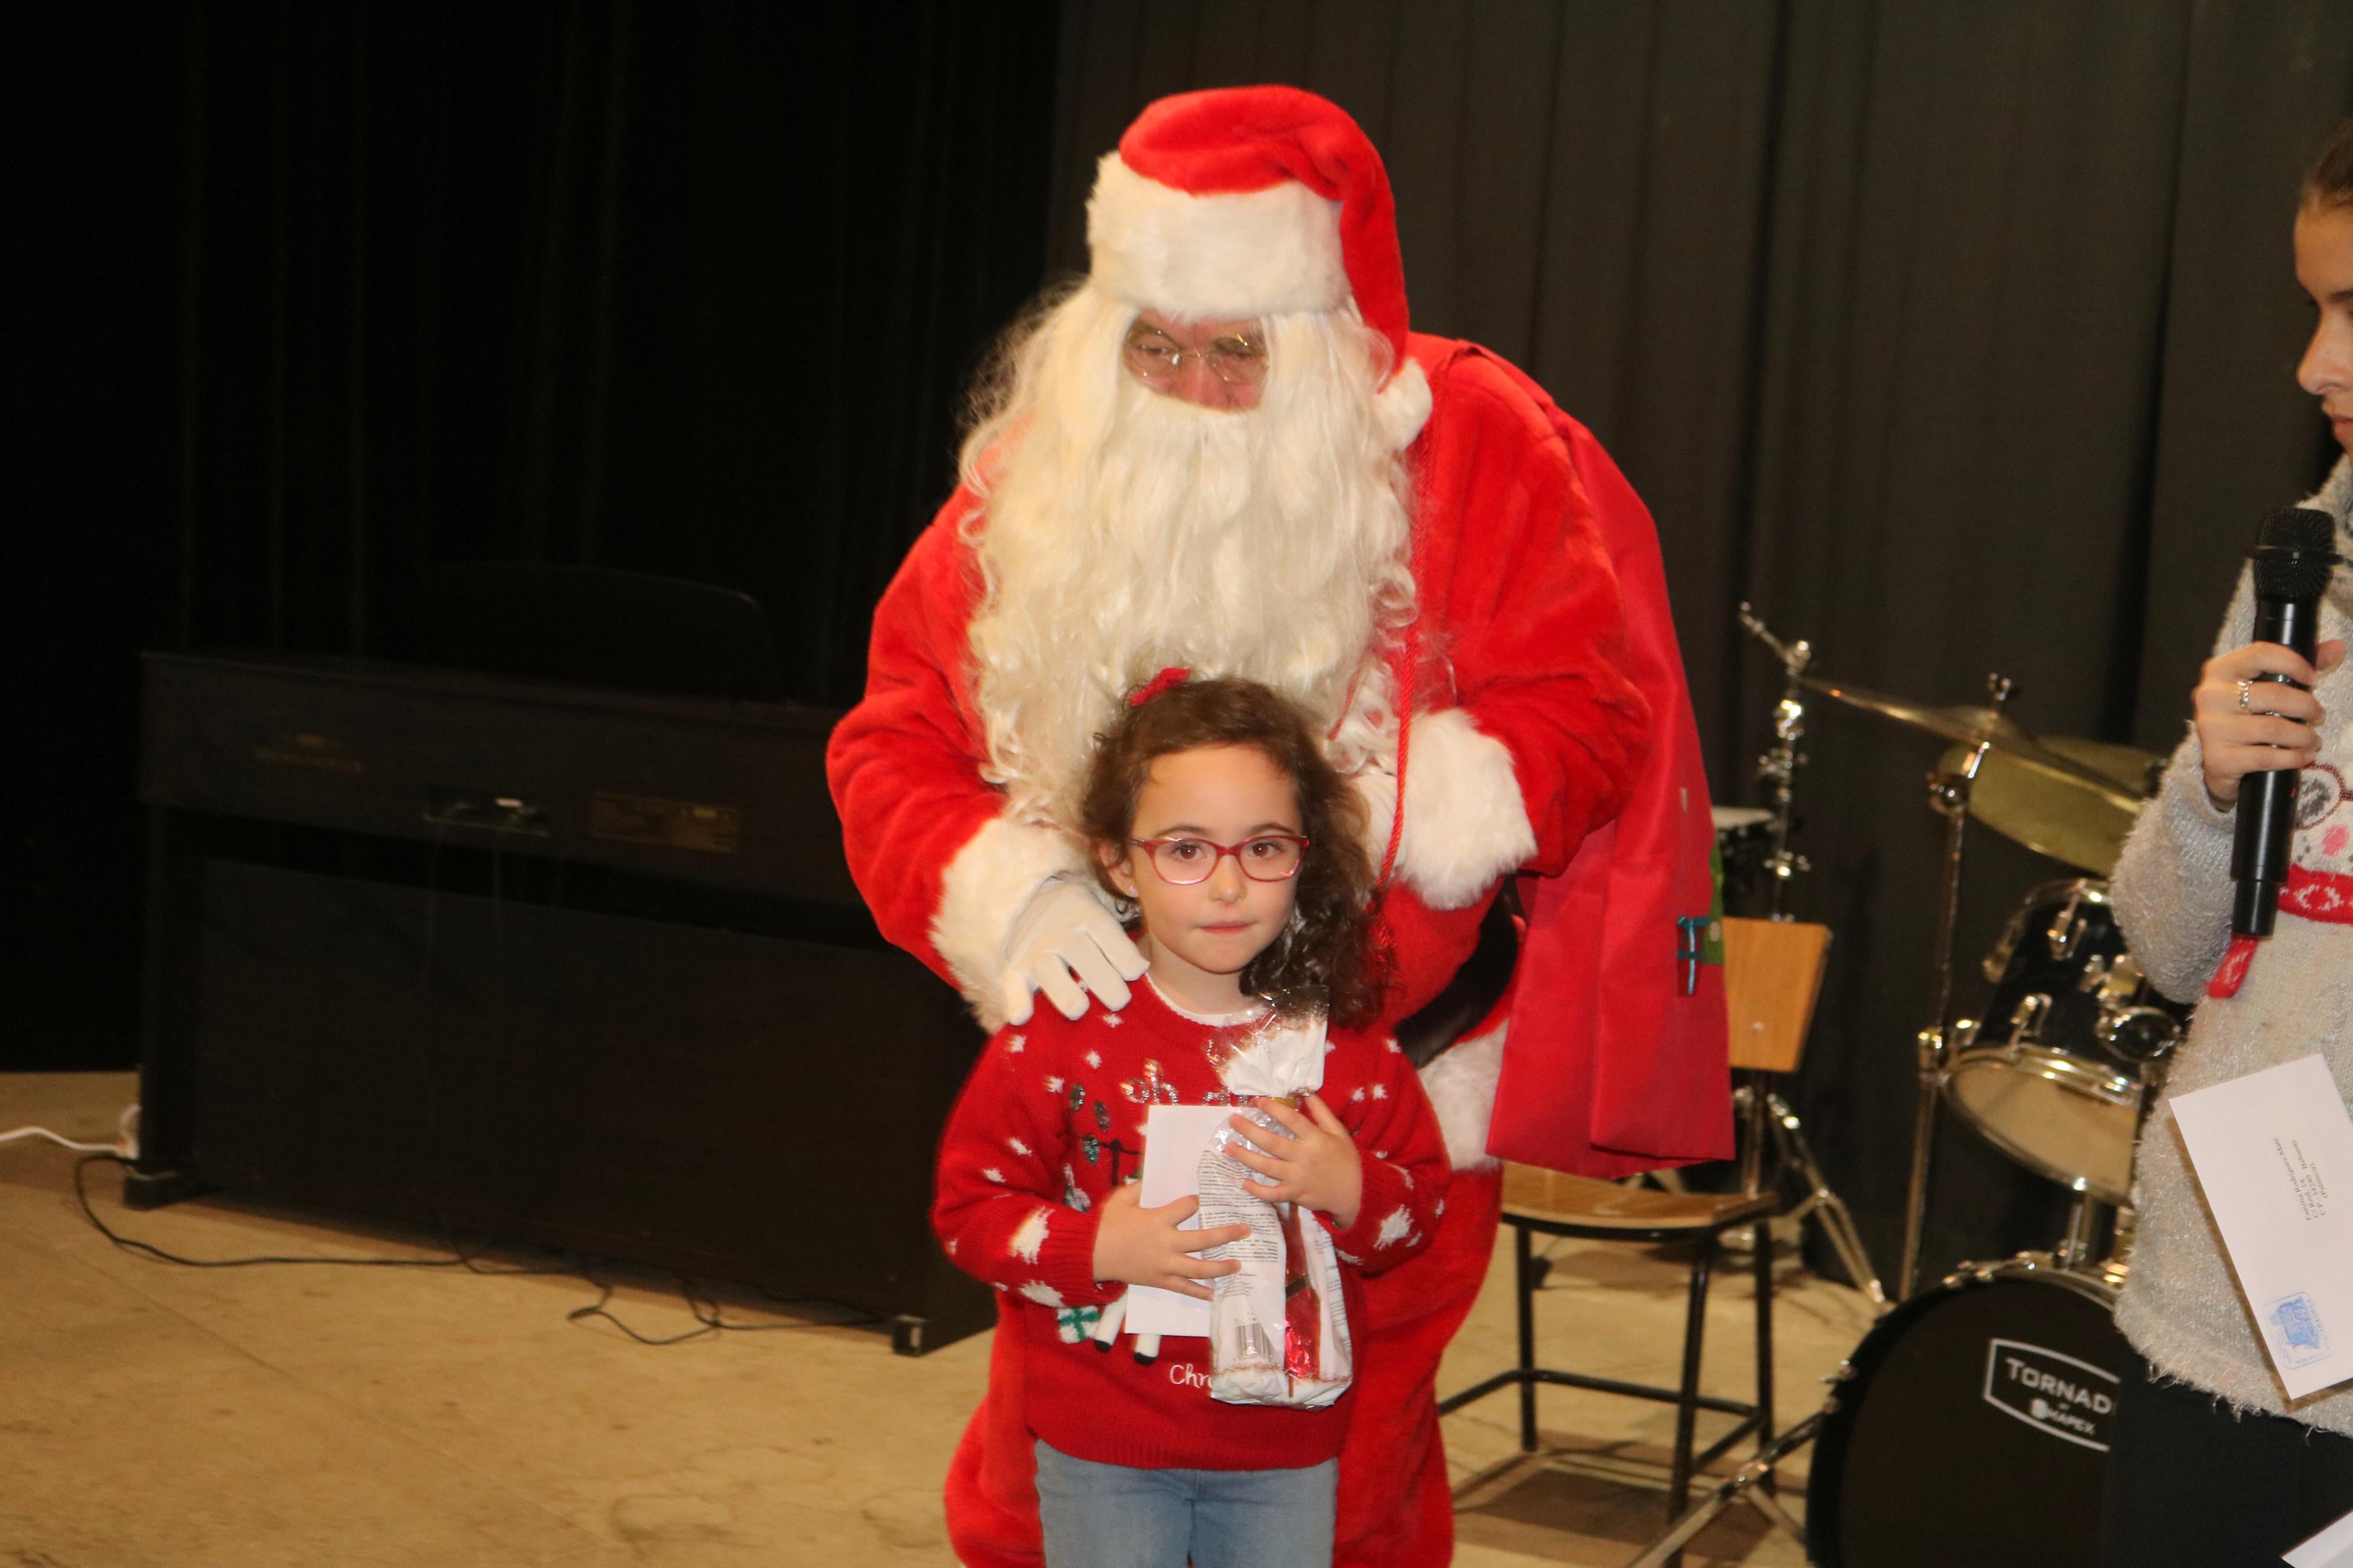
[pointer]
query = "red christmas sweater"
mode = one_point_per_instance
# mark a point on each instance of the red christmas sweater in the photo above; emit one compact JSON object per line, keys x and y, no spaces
{"x":1051,"y":1118}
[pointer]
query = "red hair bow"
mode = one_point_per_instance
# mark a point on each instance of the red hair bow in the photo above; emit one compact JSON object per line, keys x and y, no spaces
{"x":1175,"y":675}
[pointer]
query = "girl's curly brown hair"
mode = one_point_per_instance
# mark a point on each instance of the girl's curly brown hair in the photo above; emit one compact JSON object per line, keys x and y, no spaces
{"x":1326,"y":946}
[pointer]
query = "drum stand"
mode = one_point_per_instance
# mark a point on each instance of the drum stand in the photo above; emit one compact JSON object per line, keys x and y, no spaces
{"x":1767,"y":1113}
{"x":1751,"y":1484}
{"x":1948,"y":792}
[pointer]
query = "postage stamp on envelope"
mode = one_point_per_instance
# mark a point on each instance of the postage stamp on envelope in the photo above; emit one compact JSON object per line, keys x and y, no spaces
{"x":2298,"y":1336}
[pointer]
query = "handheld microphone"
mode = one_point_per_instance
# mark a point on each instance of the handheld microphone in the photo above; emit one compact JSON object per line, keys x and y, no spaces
{"x":2294,"y":552}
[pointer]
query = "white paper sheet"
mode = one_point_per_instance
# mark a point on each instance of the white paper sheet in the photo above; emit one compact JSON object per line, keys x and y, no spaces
{"x":2332,"y":1548}
{"x":1173,"y":1138}
{"x":2274,"y":1152}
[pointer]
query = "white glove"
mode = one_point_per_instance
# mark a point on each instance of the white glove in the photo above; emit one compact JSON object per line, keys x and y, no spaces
{"x":1065,"y":943}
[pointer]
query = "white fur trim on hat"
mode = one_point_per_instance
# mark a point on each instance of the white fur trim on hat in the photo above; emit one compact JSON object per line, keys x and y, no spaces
{"x":982,"y":891}
{"x":1461,"y":1087}
{"x":1258,"y":253}
{"x":1465,"y":824}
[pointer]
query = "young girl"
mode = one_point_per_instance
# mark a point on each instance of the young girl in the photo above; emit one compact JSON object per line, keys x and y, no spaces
{"x":1215,"y":818}
{"x":2210,"y":1466}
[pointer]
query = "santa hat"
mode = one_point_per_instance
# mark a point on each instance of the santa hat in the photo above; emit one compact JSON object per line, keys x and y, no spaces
{"x":1255,"y":201}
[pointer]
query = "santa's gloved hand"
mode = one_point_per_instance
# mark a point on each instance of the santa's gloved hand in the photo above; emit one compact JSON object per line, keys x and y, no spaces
{"x":1065,"y":943}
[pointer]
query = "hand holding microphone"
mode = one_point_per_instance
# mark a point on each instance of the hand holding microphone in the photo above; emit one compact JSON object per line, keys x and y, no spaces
{"x":2279,"y":726}
{"x":2269,"y":707}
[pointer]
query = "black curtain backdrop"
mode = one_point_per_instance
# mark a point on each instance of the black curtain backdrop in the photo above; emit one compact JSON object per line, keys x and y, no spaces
{"x":314,"y":297}
{"x":1958,"y":338}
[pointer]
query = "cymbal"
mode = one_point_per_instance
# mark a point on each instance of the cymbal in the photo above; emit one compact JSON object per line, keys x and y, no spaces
{"x":2057,"y":814}
{"x":1970,"y":726}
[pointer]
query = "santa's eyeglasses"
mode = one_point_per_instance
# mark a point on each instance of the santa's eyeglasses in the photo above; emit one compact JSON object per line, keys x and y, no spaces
{"x":1269,"y":858}
{"x":1155,"y":359}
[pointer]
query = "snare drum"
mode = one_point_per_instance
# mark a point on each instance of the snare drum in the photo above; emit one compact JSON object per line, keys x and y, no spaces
{"x":2053,"y":1076}
{"x":1971,"y":1427}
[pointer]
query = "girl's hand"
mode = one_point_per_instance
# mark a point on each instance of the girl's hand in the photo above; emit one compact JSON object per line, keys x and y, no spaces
{"x":1318,"y":1166}
{"x":1137,"y":1245}
{"x":2280,"y":727}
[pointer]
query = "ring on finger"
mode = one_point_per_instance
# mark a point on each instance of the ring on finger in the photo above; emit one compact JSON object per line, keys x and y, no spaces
{"x":2246,"y":693}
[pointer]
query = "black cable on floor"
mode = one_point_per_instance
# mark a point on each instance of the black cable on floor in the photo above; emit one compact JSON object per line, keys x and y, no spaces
{"x":148,"y":1249}
{"x":706,"y":1311}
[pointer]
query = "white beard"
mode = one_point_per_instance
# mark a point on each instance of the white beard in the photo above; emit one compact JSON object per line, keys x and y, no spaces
{"x":1123,"y":532}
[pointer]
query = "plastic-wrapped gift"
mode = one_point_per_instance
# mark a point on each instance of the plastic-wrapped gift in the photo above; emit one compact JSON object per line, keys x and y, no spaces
{"x":1279,"y":1327}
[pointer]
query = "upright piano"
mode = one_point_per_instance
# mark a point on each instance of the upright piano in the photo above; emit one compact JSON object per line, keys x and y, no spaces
{"x":534,"y":960}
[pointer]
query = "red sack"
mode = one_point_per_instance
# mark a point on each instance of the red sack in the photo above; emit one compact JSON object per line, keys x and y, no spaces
{"x":1611,"y":1066}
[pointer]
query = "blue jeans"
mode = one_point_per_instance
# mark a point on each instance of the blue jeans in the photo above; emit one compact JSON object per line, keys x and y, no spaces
{"x":1113,"y":1516}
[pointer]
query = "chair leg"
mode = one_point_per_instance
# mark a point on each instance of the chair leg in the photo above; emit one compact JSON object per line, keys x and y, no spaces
{"x":1765,"y":1344}
{"x":1523,"y":1279}
{"x":1687,"y":1401}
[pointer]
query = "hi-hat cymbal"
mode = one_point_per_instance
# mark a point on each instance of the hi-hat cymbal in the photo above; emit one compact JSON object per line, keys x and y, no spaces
{"x":1972,"y":727}
{"x":2057,"y":814}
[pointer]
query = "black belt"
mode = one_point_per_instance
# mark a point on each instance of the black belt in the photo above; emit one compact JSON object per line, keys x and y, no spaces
{"x":1476,"y":987}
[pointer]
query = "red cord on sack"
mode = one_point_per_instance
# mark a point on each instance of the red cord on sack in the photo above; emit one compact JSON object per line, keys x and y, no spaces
{"x":1405,"y":737}
{"x":1407,"y":677}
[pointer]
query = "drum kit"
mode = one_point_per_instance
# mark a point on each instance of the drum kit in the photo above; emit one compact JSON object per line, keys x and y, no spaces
{"x":1999,"y":1380}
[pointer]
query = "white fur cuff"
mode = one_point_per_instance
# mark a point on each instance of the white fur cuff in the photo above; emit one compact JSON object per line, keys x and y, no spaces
{"x":1403,"y":406}
{"x":1461,"y":1087}
{"x":981,"y":892}
{"x":1465,"y":824}
{"x":1258,"y":253}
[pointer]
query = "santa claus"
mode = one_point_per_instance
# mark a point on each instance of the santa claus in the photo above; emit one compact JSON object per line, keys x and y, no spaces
{"x":1223,"y":450}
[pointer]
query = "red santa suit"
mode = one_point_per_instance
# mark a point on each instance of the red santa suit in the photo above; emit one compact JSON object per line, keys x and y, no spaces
{"x":1525,"y":732}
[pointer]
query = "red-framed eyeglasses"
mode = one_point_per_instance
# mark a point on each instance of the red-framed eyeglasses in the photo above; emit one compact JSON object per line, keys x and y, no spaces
{"x":1268,"y":857}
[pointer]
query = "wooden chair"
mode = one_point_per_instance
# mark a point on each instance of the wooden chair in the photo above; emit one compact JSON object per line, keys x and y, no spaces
{"x":1772,"y":975}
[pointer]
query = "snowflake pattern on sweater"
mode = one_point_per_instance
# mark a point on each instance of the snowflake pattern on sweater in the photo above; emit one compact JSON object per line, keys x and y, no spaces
{"x":1073,"y":1096}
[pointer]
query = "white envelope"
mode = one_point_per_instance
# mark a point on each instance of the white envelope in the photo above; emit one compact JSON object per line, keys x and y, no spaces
{"x":2332,"y":1548}
{"x":2274,"y":1152}
{"x":1174,"y":1137}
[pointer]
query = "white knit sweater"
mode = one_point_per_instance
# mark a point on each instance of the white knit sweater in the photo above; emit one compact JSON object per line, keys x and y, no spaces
{"x":2181,"y":1305}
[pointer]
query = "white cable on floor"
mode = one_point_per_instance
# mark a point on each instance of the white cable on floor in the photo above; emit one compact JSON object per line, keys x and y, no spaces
{"x":126,"y":1142}
{"x":60,"y":1141}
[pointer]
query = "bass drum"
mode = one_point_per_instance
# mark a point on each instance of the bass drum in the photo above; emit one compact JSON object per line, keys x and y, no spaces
{"x":1971,"y":1427}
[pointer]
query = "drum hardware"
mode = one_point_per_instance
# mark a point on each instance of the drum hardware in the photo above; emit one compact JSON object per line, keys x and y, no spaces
{"x":1764,"y":1113}
{"x":1978,"y":731}
{"x":1751,"y":1484}
{"x":1767,"y":1114}
{"x":2118,"y":1261}
{"x":1948,"y":794}
{"x":1778,"y":766}
{"x":2026,"y":1022}
{"x":2081,"y":1249}
{"x":2046,"y":1267}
